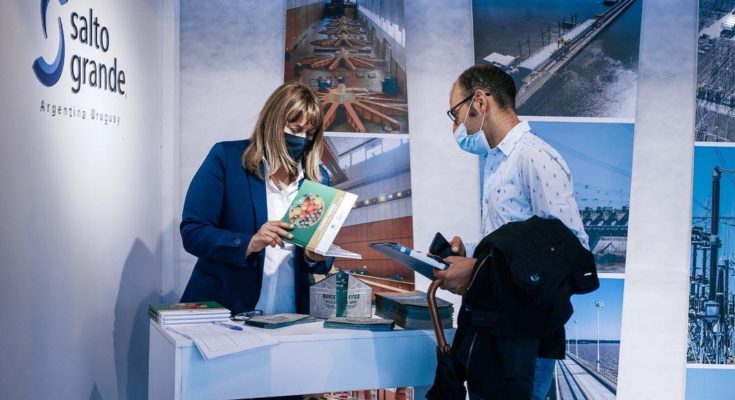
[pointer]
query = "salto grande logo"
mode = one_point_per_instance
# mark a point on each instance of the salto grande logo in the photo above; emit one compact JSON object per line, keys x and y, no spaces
{"x":87,"y":30}
{"x":85,"y":72}
{"x":49,"y":74}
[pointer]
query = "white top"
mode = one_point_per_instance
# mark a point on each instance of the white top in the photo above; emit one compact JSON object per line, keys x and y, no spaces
{"x":524,"y":176}
{"x":277,"y":293}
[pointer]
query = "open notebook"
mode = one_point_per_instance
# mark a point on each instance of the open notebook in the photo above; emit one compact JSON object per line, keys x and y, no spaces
{"x":215,"y":340}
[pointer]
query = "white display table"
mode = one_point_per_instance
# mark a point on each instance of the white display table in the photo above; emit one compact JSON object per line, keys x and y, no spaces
{"x":308,"y":359}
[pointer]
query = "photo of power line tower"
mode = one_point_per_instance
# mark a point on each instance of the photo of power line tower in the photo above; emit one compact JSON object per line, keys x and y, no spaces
{"x":711,"y":327}
{"x":711,"y":293}
{"x":716,"y":72}
{"x":600,"y":158}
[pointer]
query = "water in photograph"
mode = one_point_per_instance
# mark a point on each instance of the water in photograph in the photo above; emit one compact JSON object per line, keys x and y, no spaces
{"x":600,"y":81}
{"x":609,"y":356}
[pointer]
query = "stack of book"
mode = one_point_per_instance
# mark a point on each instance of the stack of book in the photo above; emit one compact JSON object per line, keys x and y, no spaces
{"x":411,"y":310}
{"x":188,"y":313}
{"x":368,"y":324}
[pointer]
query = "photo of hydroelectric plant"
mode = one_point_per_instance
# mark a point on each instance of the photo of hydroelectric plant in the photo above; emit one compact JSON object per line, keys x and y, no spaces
{"x":577,"y":58}
{"x":354,"y":55}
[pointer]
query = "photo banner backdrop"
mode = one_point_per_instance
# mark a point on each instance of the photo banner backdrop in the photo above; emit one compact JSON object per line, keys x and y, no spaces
{"x":601,"y":180}
{"x":378,"y":171}
{"x":354,"y":55}
{"x":715,"y":75}
{"x":576,"y":58}
{"x":577,"y":62}
{"x":711,"y":297}
{"x":593,"y":345}
{"x":710,"y":353}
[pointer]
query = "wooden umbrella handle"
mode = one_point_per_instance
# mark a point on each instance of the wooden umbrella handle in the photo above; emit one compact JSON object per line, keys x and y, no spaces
{"x":441,"y":340}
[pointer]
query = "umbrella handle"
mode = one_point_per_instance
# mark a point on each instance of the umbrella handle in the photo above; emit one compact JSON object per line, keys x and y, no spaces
{"x":441,"y":340}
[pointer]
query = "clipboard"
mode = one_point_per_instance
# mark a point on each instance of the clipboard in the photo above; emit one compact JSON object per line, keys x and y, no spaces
{"x":420,"y":262}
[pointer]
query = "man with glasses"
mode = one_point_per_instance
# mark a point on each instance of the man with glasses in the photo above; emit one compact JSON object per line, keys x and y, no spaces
{"x":521,"y":176}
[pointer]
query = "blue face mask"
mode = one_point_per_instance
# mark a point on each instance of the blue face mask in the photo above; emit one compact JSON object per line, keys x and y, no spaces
{"x":295,"y":145}
{"x":475,"y":143}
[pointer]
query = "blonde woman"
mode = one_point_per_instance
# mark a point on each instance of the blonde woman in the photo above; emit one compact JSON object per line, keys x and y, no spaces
{"x":235,"y":201}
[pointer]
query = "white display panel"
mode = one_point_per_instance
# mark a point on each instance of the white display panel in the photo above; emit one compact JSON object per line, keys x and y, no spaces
{"x":81,"y":209}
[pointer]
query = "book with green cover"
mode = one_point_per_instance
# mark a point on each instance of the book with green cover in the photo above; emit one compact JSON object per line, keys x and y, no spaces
{"x":279,"y":320}
{"x":317,"y":214}
{"x":370,"y":324}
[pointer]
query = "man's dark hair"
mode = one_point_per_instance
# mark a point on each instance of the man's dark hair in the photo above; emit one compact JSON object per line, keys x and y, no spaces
{"x":492,"y":80}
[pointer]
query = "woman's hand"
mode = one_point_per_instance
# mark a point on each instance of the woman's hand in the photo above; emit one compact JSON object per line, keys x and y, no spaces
{"x":310,"y":255}
{"x":270,"y":234}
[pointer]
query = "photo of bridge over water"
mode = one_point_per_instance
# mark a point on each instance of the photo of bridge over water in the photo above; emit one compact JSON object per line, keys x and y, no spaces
{"x":590,"y":370}
{"x":577,"y":58}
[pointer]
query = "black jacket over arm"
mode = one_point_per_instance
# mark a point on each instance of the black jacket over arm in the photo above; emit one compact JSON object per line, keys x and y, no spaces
{"x":525,"y":275}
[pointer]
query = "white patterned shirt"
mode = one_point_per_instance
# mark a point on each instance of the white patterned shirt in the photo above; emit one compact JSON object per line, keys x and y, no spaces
{"x":524,"y":176}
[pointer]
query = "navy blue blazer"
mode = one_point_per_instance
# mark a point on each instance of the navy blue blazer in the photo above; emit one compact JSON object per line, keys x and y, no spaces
{"x":224,"y":207}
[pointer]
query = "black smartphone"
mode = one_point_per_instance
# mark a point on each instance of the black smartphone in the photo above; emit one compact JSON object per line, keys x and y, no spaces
{"x":440,"y":247}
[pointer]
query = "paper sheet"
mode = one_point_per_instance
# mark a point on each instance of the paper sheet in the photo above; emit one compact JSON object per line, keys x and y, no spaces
{"x":336,"y":251}
{"x":215,"y":341}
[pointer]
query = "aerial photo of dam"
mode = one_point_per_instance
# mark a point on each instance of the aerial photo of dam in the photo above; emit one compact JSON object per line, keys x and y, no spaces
{"x":571,"y":58}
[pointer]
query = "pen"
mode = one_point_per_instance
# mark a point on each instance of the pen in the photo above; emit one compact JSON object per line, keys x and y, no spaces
{"x":233,"y":327}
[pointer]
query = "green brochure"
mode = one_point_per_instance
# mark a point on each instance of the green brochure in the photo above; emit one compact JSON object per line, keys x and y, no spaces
{"x":317,"y":214}
{"x":368,"y":324}
{"x":276,"y":321}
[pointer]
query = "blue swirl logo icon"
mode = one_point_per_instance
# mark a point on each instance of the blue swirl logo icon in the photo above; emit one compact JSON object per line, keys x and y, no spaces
{"x":49,"y":74}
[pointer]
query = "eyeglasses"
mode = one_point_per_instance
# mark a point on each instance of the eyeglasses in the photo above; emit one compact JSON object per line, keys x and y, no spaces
{"x":452,"y":110}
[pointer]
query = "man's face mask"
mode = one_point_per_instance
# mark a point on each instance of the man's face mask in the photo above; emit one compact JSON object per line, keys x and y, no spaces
{"x":475,"y":143}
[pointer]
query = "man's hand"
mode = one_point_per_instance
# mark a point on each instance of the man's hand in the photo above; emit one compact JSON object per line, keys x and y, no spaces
{"x":456,"y":278}
{"x":458,"y":246}
{"x":311,"y":256}
{"x":269,"y":234}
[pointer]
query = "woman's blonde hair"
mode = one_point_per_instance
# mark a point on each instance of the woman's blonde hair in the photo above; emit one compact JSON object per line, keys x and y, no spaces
{"x":291,"y":103}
